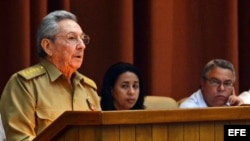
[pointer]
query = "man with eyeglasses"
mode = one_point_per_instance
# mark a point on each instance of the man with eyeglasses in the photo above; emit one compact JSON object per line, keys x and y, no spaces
{"x":217,"y":87}
{"x":34,"y":97}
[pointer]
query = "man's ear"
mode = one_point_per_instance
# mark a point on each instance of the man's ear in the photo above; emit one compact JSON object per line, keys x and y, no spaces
{"x":46,"y":45}
{"x":202,"y":83}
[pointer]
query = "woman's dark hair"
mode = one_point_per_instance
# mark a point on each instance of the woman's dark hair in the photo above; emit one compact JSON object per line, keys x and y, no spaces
{"x":109,"y":80}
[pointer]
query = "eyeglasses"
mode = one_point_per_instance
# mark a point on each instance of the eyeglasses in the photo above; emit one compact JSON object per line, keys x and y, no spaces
{"x":74,"y":39}
{"x":216,"y":83}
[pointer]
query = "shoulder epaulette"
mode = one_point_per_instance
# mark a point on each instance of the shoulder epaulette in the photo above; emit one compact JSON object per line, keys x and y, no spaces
{"x":89,"y":82}
{"x":32,"y":72}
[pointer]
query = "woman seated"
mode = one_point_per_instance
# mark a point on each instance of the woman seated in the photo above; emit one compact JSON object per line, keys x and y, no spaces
{"x":122,"y":88}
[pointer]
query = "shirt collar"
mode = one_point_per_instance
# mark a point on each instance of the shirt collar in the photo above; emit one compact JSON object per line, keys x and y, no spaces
{"x":54,"y":73}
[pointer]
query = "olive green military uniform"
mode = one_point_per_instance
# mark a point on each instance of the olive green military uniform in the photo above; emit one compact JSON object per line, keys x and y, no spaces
{"x":34,"y":97}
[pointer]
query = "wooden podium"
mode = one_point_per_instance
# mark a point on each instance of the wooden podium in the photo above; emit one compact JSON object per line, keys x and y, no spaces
{"x":146,"y":125}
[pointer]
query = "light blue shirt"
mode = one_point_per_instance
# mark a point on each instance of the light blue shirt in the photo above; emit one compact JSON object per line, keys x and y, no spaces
{"x":2,"y":133}
{"x":196,"y":100}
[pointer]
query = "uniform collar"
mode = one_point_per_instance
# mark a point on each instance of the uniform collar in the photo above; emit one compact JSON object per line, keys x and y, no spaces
{"x":54,"y":73}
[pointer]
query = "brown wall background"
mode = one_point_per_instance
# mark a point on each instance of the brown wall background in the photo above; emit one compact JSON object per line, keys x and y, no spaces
{"x":169,"y":40}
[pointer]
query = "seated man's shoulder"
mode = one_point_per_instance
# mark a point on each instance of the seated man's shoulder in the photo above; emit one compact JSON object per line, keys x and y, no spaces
{"x":32,"y":72}
{"x":193,"y":101}
{"x":188,"y":103}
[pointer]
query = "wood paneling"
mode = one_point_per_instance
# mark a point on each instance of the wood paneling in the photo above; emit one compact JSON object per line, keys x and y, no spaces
{"x":146,"y":125}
